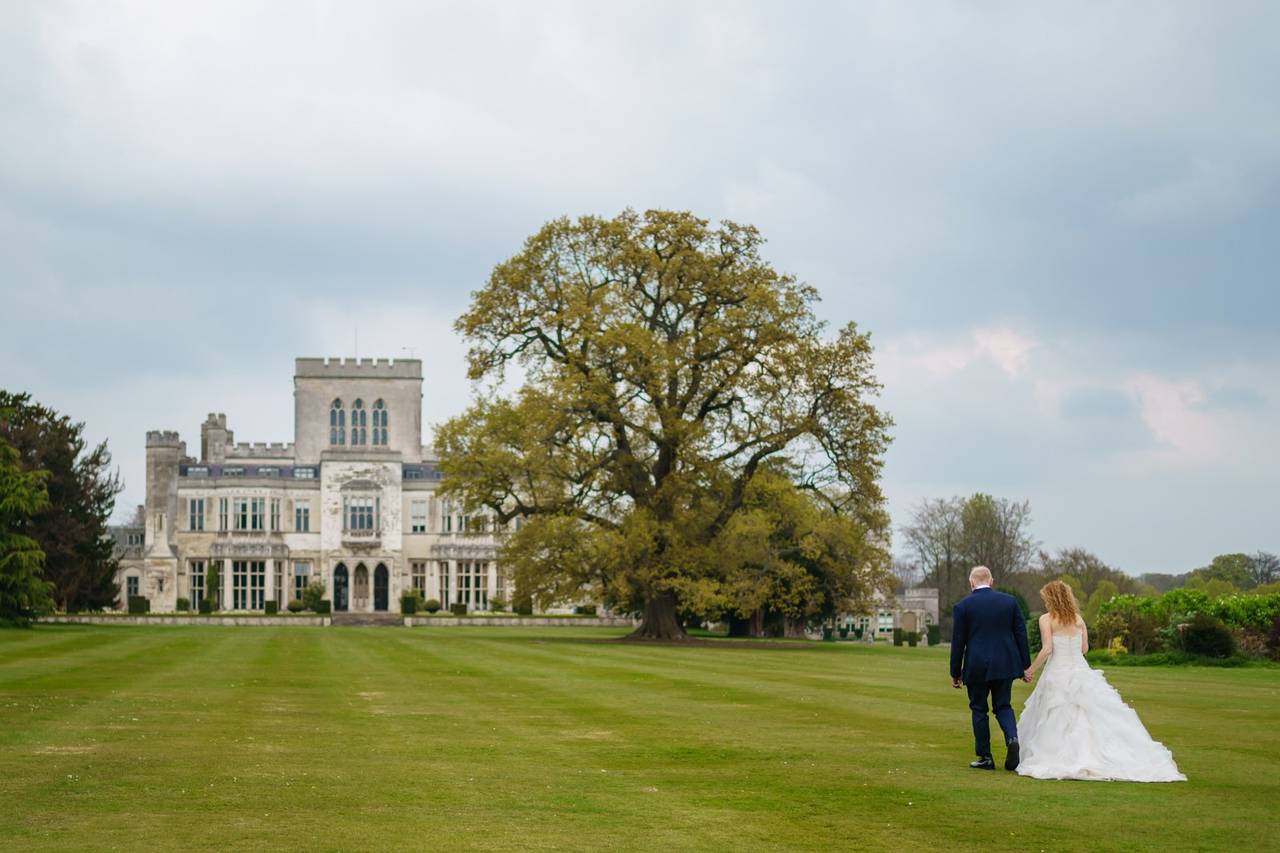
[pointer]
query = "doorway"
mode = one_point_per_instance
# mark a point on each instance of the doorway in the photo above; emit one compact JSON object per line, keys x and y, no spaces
{"x":381,"y":584}
{"x":340,"y":588}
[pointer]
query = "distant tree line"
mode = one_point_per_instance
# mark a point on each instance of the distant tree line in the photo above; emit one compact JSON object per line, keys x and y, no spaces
{"x":57,"y":494}
{"x":945,"y":537}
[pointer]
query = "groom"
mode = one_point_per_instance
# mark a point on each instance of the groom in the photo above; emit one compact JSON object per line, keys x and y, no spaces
{"x":988,"y":651}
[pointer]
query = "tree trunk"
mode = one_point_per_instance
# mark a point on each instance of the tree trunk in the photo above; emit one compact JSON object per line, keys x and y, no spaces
{"x":795,"y":629}
{"x":750,"y":626}
{"x":659,"y":621}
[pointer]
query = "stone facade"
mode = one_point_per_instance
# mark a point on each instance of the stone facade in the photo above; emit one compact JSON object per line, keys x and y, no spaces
{"x":351,"y":502}
{"x":911,"y":610}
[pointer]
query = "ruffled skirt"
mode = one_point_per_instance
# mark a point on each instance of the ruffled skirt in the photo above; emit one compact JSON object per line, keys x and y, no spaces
{"x":1076,"y":726}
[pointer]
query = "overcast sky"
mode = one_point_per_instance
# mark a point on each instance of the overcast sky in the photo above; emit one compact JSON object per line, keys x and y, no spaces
{"x":1061,"y":227}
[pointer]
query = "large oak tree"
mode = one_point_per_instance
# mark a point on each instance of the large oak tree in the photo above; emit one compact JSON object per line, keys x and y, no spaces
{"x":663,"y":365}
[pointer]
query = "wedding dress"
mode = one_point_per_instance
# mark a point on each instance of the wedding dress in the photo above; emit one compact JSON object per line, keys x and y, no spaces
{"x":1076,"y":726}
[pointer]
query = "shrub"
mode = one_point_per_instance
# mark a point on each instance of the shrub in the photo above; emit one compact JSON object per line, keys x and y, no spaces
{"x":1273,"y":640}
{"x":139,"y":604}
{"x":898,"y":636}
{"x":857,"y":632}
{"x":313,"y":595}
{"x":844,"y":632}
{"x":323,"y":606}
{"x":295,"y":605}
{"x":1116,"y":647}
{"x":431,"y":605}
{"x":458,"y":608}
{"x":935,"y":635}
{"x":183,"y":605}
{"x":1204,"y":635}
{"x":272,"y":607}
{"x":409,"y":603}
{"x":497,"y":604}
{"x":1033,"y":636}
{"x":913,"y":637}
{"x":206,"y":605}
{"x":585,"y":610}
{"x":523,"y":605}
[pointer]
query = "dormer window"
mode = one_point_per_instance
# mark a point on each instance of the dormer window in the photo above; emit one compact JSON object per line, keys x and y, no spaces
{"x":337,"y":424}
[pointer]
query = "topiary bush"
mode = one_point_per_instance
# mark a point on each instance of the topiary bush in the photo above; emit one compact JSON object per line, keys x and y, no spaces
{"x":139,"y":604}
{"x":898,"y":636}
{"x":323,"y":607}
{"x":431,"y":605}
{"x":409,"y":603}
{"x":585,"y":610}
{"x":1206,"y":636}
{"x":913,"y":637}
{"x":272,"y":607}
{"x":183,"y":605}
{"x":295,"y":605}
{"x":458,"y":608}
{"x":206,"y":606}
{"x":935,"y":635}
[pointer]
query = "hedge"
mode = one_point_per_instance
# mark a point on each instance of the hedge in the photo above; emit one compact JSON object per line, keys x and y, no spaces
{"x":1254,"y":612}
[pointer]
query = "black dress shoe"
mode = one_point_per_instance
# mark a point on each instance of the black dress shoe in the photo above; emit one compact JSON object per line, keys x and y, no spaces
{"x":983,"y":763}
{"x":1011,"y":759}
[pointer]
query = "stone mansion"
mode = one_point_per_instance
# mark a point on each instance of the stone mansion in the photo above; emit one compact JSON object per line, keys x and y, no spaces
{"x":351,"y":502}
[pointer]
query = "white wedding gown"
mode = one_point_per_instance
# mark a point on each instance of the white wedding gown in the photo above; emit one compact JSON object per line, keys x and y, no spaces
{"x":1076,"y":726}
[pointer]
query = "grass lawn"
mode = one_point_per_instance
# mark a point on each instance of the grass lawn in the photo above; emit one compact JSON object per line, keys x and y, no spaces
{"x":563,"y":738}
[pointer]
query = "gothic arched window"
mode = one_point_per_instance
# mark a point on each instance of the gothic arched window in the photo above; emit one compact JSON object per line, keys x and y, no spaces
{"x":358,"y":422}
{"x":337,"y":423}
{"x":380,"y":423}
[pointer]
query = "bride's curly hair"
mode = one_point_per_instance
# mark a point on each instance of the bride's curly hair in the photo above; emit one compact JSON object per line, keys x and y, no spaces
{"x":1061,"y":602}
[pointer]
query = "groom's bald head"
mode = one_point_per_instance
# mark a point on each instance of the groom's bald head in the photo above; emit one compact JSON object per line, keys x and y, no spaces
{"x":978,"y":576}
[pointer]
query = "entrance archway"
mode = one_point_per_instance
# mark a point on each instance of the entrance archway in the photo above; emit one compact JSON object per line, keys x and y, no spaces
{"x":381,"y":587}
{"x":360,"y":589}
{"x":909,"y":623}
{"x":340,"y":588}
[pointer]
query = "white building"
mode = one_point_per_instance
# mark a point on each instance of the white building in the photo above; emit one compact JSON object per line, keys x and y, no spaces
{"x":351,"y":502}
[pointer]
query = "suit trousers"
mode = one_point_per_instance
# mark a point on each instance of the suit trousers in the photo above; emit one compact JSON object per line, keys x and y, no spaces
{"x":1001,"y":692}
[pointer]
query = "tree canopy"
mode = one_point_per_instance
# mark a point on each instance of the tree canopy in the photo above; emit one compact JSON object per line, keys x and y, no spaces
{"x":665,"y":367}
{"x":71,"y":528}
{"x":24,"y":593}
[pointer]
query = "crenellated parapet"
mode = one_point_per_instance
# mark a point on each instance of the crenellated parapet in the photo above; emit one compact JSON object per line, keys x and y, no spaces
{"x":260,"y":450}
{"x":363,"y":368}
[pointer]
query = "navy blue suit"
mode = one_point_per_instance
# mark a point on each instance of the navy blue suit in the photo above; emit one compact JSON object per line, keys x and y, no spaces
{"x":988,"y":651}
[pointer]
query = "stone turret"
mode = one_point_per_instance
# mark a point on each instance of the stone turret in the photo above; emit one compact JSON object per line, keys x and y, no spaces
{"x":164,"y":453}
{"x":215,"y":438}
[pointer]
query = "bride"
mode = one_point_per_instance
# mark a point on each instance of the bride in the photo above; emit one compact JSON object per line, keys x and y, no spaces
{"x":1075,"y":725}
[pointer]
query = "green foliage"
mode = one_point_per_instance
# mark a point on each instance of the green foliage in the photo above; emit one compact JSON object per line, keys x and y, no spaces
{"x":1034,"y":640}
{"x":313,"y":596}
{"x":666,"y":366}
{"x":24,"y":594}
{"x":935,"y":635}
{"x":295,"y":605}
{"x":323,"y":607}
{"x":1104,"y":658}
{"x":458,"y":608}
{"x":409,"y":602}
{"x":206,"y":606}
{"x":183,"y":605}
{"x":913,"y":638}
{"x":585,"y":610}
{"x":497,"y":604}
{"x":1237,"y":570}
{"x":431,"y":605}
{"x":898,"y":636}
{"x":71,"y":528}
{"x":1102,"y":593}
{"x":139,"y":604}
{"x":271,"y":607}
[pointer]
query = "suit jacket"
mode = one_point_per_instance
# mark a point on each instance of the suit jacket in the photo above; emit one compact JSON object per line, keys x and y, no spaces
{"x":988,"y":638}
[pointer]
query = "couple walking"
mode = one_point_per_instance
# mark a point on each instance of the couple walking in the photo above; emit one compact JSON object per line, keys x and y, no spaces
{"x":1074,"y":724}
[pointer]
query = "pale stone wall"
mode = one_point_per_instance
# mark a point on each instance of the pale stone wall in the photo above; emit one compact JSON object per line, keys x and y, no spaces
{"x":317,"y":382}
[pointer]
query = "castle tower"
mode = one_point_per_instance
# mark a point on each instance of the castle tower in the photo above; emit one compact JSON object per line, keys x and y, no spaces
{"x":165,"y":452}
{"x":215,"y":438}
